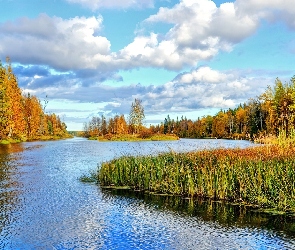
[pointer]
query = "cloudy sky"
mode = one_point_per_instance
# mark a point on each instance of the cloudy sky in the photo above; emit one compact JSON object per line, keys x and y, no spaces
{"x":187,"y":57}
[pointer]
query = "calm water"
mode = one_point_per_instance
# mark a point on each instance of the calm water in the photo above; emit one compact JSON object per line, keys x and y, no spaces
{"x":44,"y":206}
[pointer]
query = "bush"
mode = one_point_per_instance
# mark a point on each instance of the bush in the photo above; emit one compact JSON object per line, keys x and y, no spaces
{"x":145,"y":134}
{"x":108,"y":137}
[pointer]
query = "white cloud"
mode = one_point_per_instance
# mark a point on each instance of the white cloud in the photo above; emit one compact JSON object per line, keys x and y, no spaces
{"x":63,"y":44}
{"x":111,"y":4}
{"x":204,"y":88}
{"x":75,"y":44}
{"x":200,"y":31}
{"x":273,"y":10}
{"x":228,"y":24}
{"x":150,"y":52}
{"x":204,"y":74}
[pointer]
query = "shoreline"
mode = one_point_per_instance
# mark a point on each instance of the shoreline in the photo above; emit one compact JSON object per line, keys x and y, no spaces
{"x":252,"y":207}
{"x":258,"y":176}
{"x":43,"y":138}
{"x":135,"y":137}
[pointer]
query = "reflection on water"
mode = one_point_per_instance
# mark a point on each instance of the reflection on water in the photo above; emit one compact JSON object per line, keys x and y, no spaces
{"x":9,"y":185}
{"x":44,"y":206}
{"x":225,"y":214}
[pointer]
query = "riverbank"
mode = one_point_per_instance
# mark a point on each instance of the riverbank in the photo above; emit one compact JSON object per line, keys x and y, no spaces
{"x":36,"y":138}
{"x":135,"y":137}
{"x":261,"y":176}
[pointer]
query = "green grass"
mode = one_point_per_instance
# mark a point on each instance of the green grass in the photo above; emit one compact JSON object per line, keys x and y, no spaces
{"x":35,"y":138}
{"x":262,"y":176}
{"x":5,"y":142}
{"x":10,"y":140}
{"x":92,"y":177}
{"x":163,"y":137}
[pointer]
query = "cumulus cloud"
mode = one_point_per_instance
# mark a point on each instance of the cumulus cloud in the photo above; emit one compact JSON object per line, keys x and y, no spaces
{"x":62,"y":44}
{"x":273,"y":10}
{"x":34,"y":78}
{"x":201,"y":24}
{"x":201,"y":88}
{"x":113,"y":4}
{"x":200,"y":30}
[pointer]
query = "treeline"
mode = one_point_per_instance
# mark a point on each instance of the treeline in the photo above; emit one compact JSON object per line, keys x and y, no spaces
{"x":269,"y":114}
{"x":118,"y":126}
{"x":22,"y":117}
{"x":100,"y":126}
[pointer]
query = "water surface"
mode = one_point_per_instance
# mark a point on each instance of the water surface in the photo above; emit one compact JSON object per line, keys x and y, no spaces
{"x":44,"y":206}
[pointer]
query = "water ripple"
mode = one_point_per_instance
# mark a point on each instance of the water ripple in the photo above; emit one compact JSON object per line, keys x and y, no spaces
{"x":44,"y":206}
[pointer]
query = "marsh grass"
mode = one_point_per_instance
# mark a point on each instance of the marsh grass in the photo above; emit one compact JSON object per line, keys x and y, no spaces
{"x":262,"y":176}
{"x":92,"y":177}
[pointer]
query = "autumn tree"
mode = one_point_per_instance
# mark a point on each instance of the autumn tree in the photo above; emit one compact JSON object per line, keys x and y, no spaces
{"x":241,"y":119}
{"x":121,"y":125}
{"x":219,"y":125}
{"x":11,"y":111}
{"x":16,"y":124}
{"x":22,"y":115}
{"x":3,"y":103}
{"x":136,"y":116}
{"x":32,"y":114}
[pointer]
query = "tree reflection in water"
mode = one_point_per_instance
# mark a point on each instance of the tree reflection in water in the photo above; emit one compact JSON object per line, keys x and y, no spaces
{"x":225,"y":214}
{"x":9,"y":185}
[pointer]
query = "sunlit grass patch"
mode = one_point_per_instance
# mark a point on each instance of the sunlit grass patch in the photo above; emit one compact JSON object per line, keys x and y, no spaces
{"x":263,"y":176}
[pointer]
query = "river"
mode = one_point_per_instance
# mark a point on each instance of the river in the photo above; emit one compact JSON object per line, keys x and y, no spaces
{"x":43,"y":205}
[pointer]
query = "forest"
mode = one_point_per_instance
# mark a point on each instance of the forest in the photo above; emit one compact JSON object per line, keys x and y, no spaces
{"x":270,"y":114}
{"x":22,"y":116}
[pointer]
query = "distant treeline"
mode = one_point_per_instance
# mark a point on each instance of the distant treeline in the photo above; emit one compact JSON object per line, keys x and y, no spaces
{"x":108,"y":128}
{"x":271,"y":113}
{"x":100,"y":126}
{"x":22,"y":117}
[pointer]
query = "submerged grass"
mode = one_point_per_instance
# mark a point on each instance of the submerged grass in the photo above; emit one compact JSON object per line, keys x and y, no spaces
{"x":262,"y":176}
{"x":92,"y":177}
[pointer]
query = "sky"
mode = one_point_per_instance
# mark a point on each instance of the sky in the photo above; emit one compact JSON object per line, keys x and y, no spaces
{"x":187,"y":58}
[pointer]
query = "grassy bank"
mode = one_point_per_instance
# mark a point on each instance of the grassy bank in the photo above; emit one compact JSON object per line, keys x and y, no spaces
{"x":135,"y":137}
{"x":262,"y":176}
{"x":36,"y":138}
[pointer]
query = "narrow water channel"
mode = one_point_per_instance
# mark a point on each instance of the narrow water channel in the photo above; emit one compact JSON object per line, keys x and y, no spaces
{"x":43,"y":205}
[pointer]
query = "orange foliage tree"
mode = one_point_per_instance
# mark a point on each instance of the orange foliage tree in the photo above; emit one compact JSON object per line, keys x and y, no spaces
{"x":22,"y":115}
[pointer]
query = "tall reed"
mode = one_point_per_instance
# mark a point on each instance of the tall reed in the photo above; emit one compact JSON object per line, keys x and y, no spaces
{"x":263,"y":176}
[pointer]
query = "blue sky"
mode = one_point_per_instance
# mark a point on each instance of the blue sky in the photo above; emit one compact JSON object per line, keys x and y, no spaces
{"x":183,"y":58}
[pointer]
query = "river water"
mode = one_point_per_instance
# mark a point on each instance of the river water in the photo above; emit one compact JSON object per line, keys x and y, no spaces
{"x":43,"y":205}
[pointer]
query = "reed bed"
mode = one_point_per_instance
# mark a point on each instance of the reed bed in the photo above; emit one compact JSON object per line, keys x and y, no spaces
{"x":262,"y":176}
